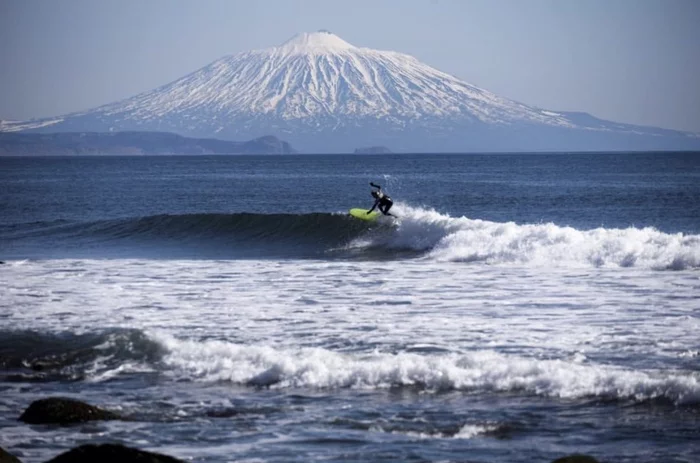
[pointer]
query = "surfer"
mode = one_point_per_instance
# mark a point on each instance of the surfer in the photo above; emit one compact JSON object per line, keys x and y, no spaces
{"x":381,"y":200}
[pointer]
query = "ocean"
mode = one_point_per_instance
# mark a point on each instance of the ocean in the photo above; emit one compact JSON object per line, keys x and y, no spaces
{"x":520,"y":308}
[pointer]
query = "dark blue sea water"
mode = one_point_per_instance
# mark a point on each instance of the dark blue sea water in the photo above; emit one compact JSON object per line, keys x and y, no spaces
{"x":138,"y":205}
{"x":522,"y":307}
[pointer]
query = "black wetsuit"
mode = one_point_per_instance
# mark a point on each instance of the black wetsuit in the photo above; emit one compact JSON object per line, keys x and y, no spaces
{"x":382,"y":201}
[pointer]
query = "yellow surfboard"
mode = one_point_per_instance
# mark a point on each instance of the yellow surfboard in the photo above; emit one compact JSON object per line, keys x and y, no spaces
{"x":363,"y":215}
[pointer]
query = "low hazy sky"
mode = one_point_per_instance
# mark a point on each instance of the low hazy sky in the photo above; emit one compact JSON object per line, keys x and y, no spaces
{"x":635,"y":61}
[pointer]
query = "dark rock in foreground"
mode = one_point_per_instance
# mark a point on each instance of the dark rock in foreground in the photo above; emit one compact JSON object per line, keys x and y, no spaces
{"x":58,"y":410}
{"x":373,"y":150}
{"x":576,"y":459}
{"x":7,"y":457}
{"x":111,"y":453}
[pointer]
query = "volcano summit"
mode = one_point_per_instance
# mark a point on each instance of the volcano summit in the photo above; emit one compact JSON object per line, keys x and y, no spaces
{"x":322,"y":94}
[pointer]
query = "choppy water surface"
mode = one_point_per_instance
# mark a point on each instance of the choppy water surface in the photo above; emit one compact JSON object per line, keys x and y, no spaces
{"x":521,"y":308}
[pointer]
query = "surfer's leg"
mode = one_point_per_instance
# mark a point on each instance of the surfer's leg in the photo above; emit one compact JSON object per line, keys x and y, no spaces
{"x":387,"y":206}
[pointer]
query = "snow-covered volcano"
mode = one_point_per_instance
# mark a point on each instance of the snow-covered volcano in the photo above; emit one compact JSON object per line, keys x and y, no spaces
{"x":323,"y":94}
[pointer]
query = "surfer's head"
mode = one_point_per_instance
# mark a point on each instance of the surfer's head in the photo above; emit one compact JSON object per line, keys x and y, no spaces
{"x":375,"y":194}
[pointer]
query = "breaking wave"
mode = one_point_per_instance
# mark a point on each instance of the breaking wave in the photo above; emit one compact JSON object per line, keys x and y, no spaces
{"x":446,"y":238}
{"x":417,"y":233}
{"x":259,"y":366}
{"x":28,"y":356}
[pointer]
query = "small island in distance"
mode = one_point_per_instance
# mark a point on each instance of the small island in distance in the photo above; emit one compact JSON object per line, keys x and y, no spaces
{"x":373,"y":150}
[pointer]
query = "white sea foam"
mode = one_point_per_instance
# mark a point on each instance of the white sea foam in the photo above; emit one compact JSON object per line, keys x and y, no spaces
{"x":469,"y":431}
{"x":483,"y":370}
{"x":557,"y":331}
{"x":469,"y":240}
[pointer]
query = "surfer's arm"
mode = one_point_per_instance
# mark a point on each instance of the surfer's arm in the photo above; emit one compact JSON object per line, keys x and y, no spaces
{"x":375,"y":185}
{"x":373,"y":206}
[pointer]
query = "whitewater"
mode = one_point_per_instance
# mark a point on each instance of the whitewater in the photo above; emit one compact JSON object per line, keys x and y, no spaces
{"x":445,"y":238}
{"x":228,"y":323}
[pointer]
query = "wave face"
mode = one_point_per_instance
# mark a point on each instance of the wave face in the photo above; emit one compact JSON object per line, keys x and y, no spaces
{"x":238,"y":235}
{"x":417,"y":233}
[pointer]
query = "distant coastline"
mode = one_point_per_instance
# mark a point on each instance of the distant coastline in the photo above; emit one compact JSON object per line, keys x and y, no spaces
{"x":131,"y":143}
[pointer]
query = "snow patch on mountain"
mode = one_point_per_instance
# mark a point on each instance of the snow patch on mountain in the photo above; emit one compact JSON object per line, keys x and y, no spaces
{"x":318,"y":42}
{"x":18,"y":126}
